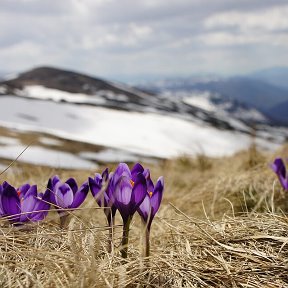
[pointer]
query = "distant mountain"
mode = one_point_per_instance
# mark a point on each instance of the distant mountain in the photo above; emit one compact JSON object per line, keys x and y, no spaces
{"x":280,"y":112}
{"x":256,"y":93}
{"x":218,"y":106}
{"x":55,"y":84}
{"x":68,"y":81}
{"x":176,"y":84}
{"x":277,"y":76}
{"x":253,"y":93}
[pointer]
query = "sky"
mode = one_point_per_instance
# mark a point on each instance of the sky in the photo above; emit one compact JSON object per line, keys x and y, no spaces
{"x":131,"y":40}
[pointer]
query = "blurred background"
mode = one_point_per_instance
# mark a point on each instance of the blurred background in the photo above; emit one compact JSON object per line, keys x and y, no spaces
{"x":86,"y":82}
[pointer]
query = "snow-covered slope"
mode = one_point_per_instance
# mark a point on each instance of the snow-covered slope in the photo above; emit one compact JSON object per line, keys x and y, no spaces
{"x":147,"y":134}
{"x":215,"y":104}
{"x":129,"y":123}
{"x":58,"y":85}
{"x":220,"y":106}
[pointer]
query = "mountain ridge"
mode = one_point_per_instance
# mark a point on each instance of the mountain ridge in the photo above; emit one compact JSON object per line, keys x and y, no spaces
{"x":275,"y":75}
{"x":254,"y":93}
{"x":126,"y":119}
{"x":62,"y":79}
{"x":101,"y":93}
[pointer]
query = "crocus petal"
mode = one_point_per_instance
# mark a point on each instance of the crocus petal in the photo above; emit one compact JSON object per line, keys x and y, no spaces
{"x":121,"y":197}
{"x":1,"y":206}
{"x":137,"y":168}
{"x":150,"y":185}
{"x":63,"y":195}
{"x":97,"y":192}
{"x":5,"y":184}
{"x":28,"y":204}
{"x":95,"y":184}
{"x":105,"y":175}
{"x":39,"y":216}
{"x":121,"y":170}
{"x":50,"y":188}
{"x":80,"y":195}
{"x":10,"y":202}
{"x":123,"y":190}
{"x":22,"y":190}
{"x":139,"y":192}
{"x":279,"y":168}
{"x":42,"y":205}
{"x":73,"y":185}
{"x":54,"y":180}
{"x":157,"y":195}
{"x":145,"y":208}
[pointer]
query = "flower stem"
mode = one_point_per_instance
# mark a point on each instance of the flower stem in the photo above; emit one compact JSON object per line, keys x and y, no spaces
{"x":125,"y":237}
{"x":63,"y":220}
{"x":147,"y":241}
{"x":111,"y":222}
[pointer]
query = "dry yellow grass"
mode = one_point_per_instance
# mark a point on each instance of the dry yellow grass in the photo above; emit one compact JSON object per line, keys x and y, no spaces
{"x":222,"y":224}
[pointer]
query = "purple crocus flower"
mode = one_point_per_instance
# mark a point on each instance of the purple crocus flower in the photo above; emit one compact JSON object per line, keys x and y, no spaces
{"x":150,"y":206}
{"x":100,"y":190}
{"x":1,"y":206}
{"x":127,"y":190}
{"x":65,"y":196}
{"x":278,"y":167}
{"x":23,"y":204}
{"x":99,"y":186}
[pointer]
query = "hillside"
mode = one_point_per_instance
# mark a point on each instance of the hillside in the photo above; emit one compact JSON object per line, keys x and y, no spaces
{"x":68,"y":81}
{"x":49,"y":83}
{"x":118,"y":122}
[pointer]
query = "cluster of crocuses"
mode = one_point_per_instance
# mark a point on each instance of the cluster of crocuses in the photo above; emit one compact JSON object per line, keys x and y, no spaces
{"x":124,"y":190}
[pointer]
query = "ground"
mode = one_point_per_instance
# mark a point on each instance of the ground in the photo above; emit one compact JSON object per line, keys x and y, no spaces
{"x":222,"y":223}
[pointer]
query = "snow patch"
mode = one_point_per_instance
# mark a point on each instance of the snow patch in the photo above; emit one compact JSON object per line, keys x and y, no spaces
{"x":109,"y":155}
{"x":4,"y":140}
{"x":50,"y":141}
{"x":47,"y":157}
{"x":3,"y":89}
{"x":251,"y":114}
{"x":201,"y":101}
{"x":41,"y":92}
{"x":112,"y":96}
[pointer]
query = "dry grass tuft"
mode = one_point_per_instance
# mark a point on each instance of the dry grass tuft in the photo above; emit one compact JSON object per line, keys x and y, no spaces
{"x":222,"y":224}
{"x":245,"y":251}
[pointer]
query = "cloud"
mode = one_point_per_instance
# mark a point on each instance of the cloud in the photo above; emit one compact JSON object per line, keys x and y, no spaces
{"x":131,"y":35}
{"x":261,"y":27}
{"x":272,"y":19}
{"x":110,"y":37}
{"x":227,"y":39}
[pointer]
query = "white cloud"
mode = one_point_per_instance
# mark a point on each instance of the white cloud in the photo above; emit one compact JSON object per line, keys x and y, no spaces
{"x":127,"y":37}
{"x":234,"y":28}
{"x":232,"y":39}
{"x":115,"y":36}
{"x":272,"y":19}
